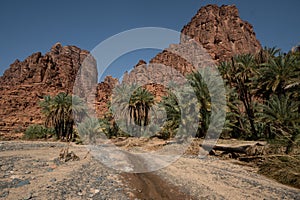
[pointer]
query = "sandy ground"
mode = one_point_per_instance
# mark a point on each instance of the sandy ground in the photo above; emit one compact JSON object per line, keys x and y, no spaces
{"x":211,"y":178}
{"x":30,"y":170}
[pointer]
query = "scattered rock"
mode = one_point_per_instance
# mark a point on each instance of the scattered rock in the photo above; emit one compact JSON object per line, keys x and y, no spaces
{"x":19,"y":183}
{"x":4,"y":194}
{"x":27,"y":197}
{"x":5,"y":167}
{"x":66,"y":156}
{"x":53,"y":180}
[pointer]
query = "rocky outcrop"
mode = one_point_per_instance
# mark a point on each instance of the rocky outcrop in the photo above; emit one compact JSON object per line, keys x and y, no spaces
{"x":103,"y":95}
{"x":217,"y":33}
{"x":24,"y":84}
{"x":172,"y":64}
{"x":56,"y":69}
{"x":222,"y":32}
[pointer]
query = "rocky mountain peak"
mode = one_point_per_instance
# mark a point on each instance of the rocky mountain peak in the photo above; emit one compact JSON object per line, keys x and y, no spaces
{"x":25,"y":83}
{"x":141,"y":62}
{"x":56,"y":48}
{"x":222,"y":32}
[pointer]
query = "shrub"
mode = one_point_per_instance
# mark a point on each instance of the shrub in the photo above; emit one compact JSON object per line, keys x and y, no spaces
{"x":91,"y":129}
{"x":38,"y":132}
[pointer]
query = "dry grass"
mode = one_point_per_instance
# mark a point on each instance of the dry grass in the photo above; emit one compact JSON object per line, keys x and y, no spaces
{"x":283,"y":168}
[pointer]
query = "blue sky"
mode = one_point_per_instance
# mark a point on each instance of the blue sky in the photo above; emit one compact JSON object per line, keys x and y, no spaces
{"x":32,"y":26}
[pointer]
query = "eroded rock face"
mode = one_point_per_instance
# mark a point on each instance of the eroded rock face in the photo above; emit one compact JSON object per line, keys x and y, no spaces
{"x":218,"y":34}
{"x":103,"y":95}
{"x":219,"y":30}
{"x":55,"y":69}
{"x":222,"y":32}
{"x":25,"y":83}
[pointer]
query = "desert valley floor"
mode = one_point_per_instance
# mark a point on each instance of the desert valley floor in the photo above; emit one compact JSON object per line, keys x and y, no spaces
{"x":32,"y":170}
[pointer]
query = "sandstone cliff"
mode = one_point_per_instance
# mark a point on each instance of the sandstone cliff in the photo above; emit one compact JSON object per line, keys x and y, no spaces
{"x":24,"y":84}
{"x":218,"y":30}
{"x":222,"y":32}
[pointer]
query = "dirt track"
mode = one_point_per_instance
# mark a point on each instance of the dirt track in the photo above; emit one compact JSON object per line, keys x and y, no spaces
{"x":152,"y":186}
{"x":28,"y":170}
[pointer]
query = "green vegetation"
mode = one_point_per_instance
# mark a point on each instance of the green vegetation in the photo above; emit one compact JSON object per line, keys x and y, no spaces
{"x":93,"y":128}
{"x":262,"y":104}
{"x":171,"y":106}
{"x":59,"y":112}
{"x":262,"y":99}
{"x":38,"y":132}
{"x":139,"y":108}
{"x":263,"y":96}
{"x":132,"y":104}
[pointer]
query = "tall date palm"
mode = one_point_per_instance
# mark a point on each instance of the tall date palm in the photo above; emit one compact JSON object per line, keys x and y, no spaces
{"x":59,"y":113}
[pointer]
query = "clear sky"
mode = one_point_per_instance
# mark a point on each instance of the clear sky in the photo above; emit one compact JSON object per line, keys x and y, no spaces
{"x":35,"y":25}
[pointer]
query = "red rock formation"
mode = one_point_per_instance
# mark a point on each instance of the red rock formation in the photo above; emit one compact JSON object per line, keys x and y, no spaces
{"x":219,"y":33}
{"x":222,"y":32}
{"x":103,"y":95}
{"x":24,"y":84}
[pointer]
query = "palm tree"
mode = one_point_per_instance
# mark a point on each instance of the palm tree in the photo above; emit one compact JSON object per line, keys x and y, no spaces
{"x":76,"y":111}
{"x":58,"y":112}
{"x":283,"y":116}
{"x":182,"y":114}
{"x":276,"y":76}
{"x":139,"y":106}
{"x":119,"y":106}
{"x":244,"y":67}
{"x":131,"y":106}
{"x":210,"y":94}
{"x":266,"y":54}
{"x":228,"y":72}
{"x":239,"y":76}
{"x":204,"y":99}
{"x":293,"y":84}
{"x":172,"y":108}
{"x":92,"y":128}
{"x":46,"y":105}
{"x":235,"y":118}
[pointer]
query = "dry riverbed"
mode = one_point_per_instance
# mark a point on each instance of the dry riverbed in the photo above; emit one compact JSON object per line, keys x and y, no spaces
{"x":31,"y":170}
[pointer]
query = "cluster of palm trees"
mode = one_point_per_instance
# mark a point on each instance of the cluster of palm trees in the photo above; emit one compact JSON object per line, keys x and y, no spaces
{"x":262,"y":98}
{"x":131,"y":106}
{"x":263,"y":94}
{"x":60,"y":111}
{"x":262,"y":102}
